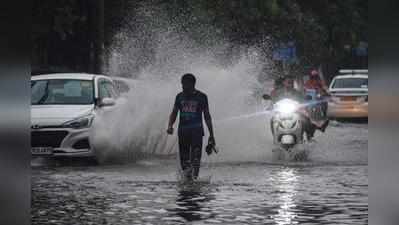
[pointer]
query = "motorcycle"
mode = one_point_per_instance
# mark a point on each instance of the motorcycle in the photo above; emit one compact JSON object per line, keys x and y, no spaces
{"x":287,"y":125}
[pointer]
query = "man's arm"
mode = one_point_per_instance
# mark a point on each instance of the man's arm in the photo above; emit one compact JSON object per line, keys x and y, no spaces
{"x":172,"y":118}
{"x":208,"y":120}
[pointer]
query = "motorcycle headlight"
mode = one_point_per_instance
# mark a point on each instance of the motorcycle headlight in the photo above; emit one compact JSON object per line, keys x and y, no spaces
{"x":81,"y":122}
{"x":286,"y":106}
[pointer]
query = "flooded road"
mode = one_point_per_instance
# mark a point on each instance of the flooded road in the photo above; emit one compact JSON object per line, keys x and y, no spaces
{"x":330,"y":188}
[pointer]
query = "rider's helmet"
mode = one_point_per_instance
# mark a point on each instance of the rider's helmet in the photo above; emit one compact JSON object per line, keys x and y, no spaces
{"x":314,"y":74}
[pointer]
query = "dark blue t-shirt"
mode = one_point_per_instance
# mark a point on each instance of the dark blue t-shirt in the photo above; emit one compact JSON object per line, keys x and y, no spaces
{"x":191,"y":107}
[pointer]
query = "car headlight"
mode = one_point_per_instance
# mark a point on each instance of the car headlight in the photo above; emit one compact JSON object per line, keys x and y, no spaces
{"x":81,"y":122}
{"x":286,"y":106}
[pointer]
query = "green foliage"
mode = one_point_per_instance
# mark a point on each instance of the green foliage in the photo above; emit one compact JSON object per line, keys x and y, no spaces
{"x":321,"y":28}
{"x":60,"y":17}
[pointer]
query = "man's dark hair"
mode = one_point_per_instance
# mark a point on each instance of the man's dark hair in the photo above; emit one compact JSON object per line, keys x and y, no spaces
{"x":188,"y":77}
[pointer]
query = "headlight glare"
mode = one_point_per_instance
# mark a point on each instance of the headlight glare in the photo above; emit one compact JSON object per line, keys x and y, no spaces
{"x":286,"y":106}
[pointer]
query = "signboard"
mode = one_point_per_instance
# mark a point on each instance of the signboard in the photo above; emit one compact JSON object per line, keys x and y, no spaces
{"x":286,"y":52}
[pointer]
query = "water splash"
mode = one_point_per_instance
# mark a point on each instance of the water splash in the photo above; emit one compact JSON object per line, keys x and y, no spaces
{"x":155,"y":54}
{"x":232,"y":88}
{"x":141,"y":123}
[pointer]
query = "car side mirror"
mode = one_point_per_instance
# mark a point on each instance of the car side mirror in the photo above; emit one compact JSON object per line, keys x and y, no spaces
{"x":308,"y":97}
{"x":106,"y":102}
{"x":266,"y":97}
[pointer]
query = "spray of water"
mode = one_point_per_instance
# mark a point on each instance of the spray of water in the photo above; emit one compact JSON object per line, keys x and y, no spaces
{"x":156,"y":56}
{"x":139,"y":124}
{"x":239,"y":122}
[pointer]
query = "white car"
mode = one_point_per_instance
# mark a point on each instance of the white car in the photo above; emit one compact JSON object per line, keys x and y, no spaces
{"x":349,"y":95}
{"x":63,"y":109}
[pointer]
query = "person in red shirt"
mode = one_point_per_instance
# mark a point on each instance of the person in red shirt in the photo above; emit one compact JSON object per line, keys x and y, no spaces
{"x":316,"y":83}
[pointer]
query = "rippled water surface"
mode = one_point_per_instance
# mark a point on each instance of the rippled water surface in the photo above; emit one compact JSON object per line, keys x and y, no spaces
{"x":251,"y":193}
{"x":331,"y":187}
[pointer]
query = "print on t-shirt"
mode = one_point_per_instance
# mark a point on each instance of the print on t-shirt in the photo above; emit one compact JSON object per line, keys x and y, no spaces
{"x":189,"y":106}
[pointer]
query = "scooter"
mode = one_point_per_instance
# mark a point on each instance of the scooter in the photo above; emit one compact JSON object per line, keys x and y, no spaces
{"x":287,"y":128}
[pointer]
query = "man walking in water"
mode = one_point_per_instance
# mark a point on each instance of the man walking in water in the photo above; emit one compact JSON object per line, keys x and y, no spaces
{"x":191,"y":103}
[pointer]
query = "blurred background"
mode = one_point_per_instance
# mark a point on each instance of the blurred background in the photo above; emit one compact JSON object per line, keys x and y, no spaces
{"x":81,"y":36}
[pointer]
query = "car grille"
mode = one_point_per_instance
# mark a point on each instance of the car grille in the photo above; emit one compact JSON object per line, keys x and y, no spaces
{"x":47,"y":138}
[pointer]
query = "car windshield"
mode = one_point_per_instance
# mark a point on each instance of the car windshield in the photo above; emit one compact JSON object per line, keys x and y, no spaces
{"x":62,"y":92}
{"x":351,"y":83}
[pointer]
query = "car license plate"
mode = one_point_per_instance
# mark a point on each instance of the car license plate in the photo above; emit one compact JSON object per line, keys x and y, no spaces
{"x":42,"y":151}
{"x":348,"y":98}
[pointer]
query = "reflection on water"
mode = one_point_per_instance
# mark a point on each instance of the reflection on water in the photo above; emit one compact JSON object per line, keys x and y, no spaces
{"x":238,"y":194}
{"x":286,"y":184}
{"x":190,"y":203}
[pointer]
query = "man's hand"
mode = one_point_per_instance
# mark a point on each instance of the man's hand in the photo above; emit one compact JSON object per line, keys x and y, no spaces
{"x":169,"y":130}
{"x":211,"y":146}
{"x":211,"y":140}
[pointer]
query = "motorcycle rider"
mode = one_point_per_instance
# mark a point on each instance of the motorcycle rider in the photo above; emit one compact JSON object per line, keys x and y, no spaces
{"x":316,"y":83}
{"x":287,"y":90}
